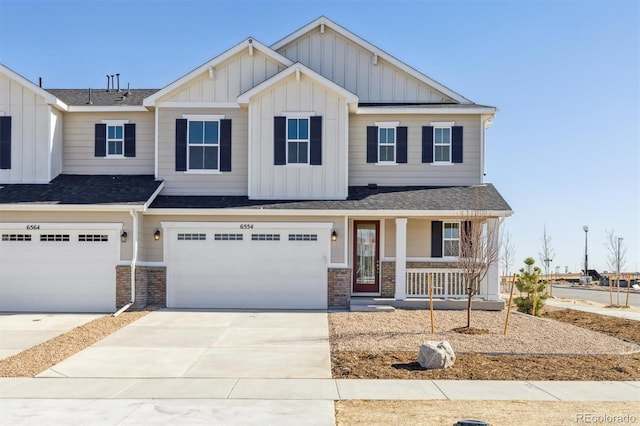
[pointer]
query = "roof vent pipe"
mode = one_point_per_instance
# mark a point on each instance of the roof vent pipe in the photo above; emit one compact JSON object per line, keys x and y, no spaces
{"x":108,"y":83}
{"x":118,"y":75}
{"x":89,"y":103}
{"x":40,"y":81}
{"x":113,"y":86}
{"x":128,"y":92}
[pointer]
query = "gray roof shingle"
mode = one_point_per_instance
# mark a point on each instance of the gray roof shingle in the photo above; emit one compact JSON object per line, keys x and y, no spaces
{"x":484,"y":197}
{"x":82,"y":190}
{"x":100,"y":97}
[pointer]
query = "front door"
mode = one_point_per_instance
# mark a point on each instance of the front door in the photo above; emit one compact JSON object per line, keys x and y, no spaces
{"x":365,"y":256}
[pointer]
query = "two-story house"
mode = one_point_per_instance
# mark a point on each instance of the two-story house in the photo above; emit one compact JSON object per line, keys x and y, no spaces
{"x":296,"y":175}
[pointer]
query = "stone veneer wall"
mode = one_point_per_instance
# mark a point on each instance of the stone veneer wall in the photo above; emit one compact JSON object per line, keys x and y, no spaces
{"x":151,"y":286}
{"x":388,"y":284}
{"x":339,"y":287}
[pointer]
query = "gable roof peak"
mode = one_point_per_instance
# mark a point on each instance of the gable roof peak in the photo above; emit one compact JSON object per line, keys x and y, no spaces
{"x":323,"y":21}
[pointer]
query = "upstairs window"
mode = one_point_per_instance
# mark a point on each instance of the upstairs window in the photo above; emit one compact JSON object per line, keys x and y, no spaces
{"x":386,"y":144}
{"x":115,"y":140}
{"x":203,"y":145}
{"x":297,"y":141}
{"x":442,"y":144}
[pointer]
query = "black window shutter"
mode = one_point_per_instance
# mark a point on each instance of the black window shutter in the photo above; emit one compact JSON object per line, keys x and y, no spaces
{"x":181,"y":145}
{"x":427,"y":144}
{"x":436,"y":238}
{"x":456,"y":144}
{"x":316,"y":141}
{"x":225,"y":145}
{"x":100,"y":140}
{"x":401,"y":145}
{"x":372,"y":144}
{"x":129,"y":140}
{"x":5,"y":142}
{"x":279,"y":141}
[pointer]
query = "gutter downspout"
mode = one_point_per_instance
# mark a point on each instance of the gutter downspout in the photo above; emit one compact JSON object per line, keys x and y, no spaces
{"x":134,"y":261}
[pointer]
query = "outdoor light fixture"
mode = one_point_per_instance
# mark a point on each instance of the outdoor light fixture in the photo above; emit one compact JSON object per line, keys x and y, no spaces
{"x":334,"y":236}
{"x":156,"y":235}
{"x":123,"y":237}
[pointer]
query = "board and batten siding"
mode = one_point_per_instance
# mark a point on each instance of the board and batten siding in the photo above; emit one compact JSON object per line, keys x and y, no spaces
{"x":230,"y":79}
{"x":30,"y":133}
{"x":202,"y":183}
{"x":414,"y":172}
{"x":352,"y":67}
{"x":79,"y":149}
{"x":326,"y":181}
{"x":152,"y":250}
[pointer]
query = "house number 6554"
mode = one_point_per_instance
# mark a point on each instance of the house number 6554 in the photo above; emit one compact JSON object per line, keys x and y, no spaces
{"x":246,"y":226}
{"x":32,"y":227}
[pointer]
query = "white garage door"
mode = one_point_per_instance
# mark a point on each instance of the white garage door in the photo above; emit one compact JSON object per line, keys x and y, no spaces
{"x":58,"y":270}
{"x":271,"y":266}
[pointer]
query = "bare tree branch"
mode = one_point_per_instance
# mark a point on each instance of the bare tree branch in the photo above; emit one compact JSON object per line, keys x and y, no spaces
{"x":508,"y":252}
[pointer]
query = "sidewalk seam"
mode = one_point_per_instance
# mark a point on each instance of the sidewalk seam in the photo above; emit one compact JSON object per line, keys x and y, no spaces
{"x":435,"y":383}
{"x":542,"y":390}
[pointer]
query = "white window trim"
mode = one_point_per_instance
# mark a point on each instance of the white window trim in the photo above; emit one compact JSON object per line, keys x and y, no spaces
{"x":199,"y":117}
{"x":308,"y":140}
{"x":298,"y":114}
{"x":389,"y":125}
{"x":443,"y":125}
{"x":107,"y":140}
{"x":450,"y":239}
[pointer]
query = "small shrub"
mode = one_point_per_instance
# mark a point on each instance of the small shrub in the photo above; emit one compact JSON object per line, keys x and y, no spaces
{"x":530,"y":286}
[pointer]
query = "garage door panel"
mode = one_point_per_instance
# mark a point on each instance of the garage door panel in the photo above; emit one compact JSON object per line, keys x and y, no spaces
{"x":75,"y":275}
{"x":255,"y":272}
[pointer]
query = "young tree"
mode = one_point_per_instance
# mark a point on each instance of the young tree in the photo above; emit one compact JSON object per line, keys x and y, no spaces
{"x":616,"y":259}
{"x":478,"y":248}
{"x":547,"y":253}
{"x":508,"y":252}
{"x":529,"y":283}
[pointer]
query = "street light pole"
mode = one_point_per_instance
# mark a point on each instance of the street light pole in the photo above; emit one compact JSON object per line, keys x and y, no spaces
{"x":618,"y":270}
{"x":586,"y":255}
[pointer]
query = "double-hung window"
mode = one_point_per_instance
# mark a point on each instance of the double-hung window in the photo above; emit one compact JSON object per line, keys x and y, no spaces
{"x":386,"y":144}
{"x":115,"y":140}
{"x":203,"y":144}
{"x":442,"y":144}
{"x":297,"y":140}
{"x":451,"y":238}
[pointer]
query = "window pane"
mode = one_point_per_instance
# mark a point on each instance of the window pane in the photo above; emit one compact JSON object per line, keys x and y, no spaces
{"x":196,"y":131}
{"x":302,"y":153}
{"x":386,"y":153}
{"x":442,"y":153}
{"x":446,"y":135}
{"x":211,"y":158}
{"x":391,"y":135}
{"x":114,"y":148}
{"x":303,"y":128}
{"x":383,"y":136}
{"x":118,"y":132}
{"x":196,"y":160}
{"x":293,"y":152}
{"x":438,"y":136}
{"x":211,"y":132}
{"x":451,"y":230}
{"x":111,"y":132}
{"x":451,"y":248}
{"x":292,"y":128}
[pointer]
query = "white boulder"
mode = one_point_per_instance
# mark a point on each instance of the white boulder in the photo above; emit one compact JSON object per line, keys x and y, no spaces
{"x":434,"y":355}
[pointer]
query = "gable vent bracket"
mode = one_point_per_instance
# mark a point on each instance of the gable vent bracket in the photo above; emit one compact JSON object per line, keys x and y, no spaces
{"x":322,"y":28}
{"x":375,"y":59}
{"x":250,"y":47}
{"x":212,"y":73}
{"x":298,"y":74}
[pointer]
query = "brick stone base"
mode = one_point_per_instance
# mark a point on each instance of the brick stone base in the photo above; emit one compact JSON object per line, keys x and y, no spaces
{"x":339,"y":287}
{"x":151,"y":286}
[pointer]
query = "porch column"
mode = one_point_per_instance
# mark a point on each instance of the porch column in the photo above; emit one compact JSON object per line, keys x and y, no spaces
{"x":493,"y":272}
{"x":401,"y":258}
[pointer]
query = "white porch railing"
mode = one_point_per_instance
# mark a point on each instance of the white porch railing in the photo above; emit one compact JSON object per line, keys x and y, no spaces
{"x":446,"y":283}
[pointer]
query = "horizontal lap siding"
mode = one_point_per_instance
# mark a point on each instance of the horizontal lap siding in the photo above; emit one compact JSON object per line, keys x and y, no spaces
{"x":352,"y":67}
{"x":30,"y":127}
{"x":151,"y":250}
{"x":79,"y":153}
{"x":184,"y":183}
{"x":414,"y":172}
{"x":418,"y":238}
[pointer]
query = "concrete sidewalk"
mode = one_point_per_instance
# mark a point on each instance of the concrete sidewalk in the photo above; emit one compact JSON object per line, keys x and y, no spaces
{"x":315,"y":389}
{"x":596,"y":308}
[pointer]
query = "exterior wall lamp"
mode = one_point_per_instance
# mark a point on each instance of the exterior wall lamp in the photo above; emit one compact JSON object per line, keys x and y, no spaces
{"x":156,"y":235}
{"x":123,"y":237}
{"x":334,"y":235}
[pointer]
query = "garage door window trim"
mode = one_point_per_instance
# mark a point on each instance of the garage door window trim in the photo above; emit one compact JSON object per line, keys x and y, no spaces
{"x":16,"y":237}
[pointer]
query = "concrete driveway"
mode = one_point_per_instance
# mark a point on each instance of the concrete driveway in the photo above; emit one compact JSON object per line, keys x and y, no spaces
{"x":209,"y":344}
{"x":20,"y":331}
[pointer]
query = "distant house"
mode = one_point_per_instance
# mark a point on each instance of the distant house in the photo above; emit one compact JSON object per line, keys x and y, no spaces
{"x":296,"y":175}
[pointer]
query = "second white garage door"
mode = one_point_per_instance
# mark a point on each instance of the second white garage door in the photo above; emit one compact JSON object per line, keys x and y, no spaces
{"x":269,"y":266}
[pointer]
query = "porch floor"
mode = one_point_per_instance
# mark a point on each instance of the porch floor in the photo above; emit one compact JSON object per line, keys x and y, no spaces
{"x":374,"y":304}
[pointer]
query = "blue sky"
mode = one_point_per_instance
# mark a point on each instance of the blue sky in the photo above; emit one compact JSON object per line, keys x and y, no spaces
{"x":564,"y":146}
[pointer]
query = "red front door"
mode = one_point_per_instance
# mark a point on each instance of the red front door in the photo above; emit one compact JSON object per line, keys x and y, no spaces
{"x":365,"y":256}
